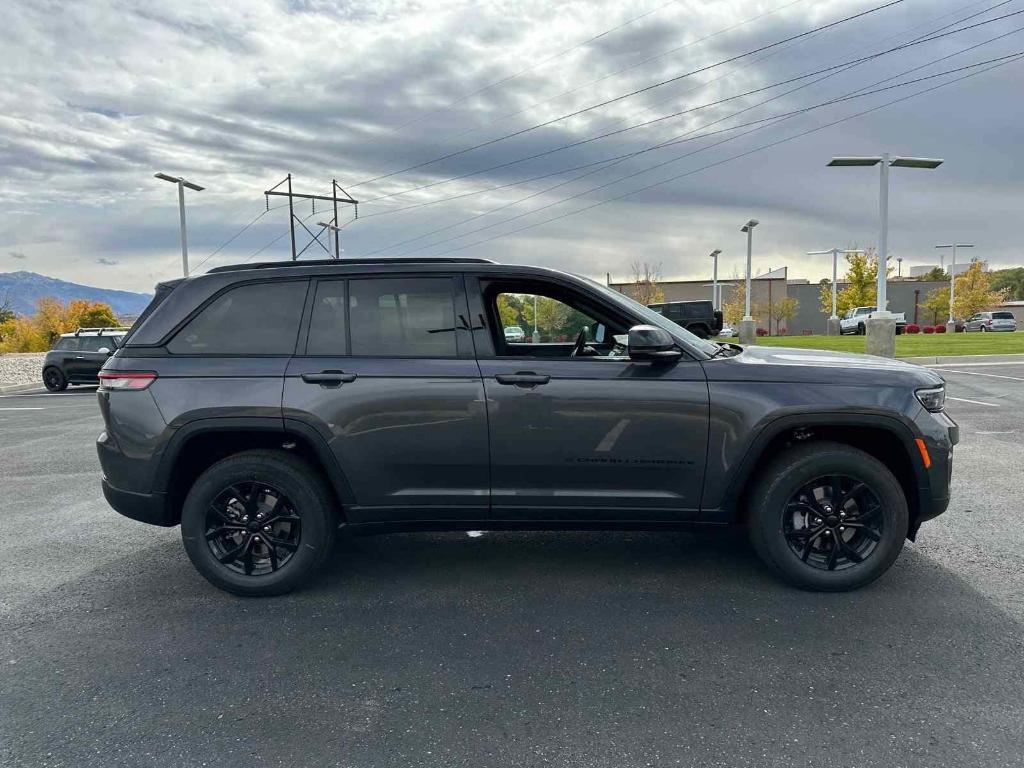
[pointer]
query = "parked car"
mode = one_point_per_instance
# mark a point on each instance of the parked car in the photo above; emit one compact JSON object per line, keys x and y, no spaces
{"x":514,"y":333}
{"x":698,"y":317}
{"x":991,"y":321}
{"x":76,"y":358}
{"x":728,"y":331}
{"x":383,"y":396}
{"x":854,"y":321}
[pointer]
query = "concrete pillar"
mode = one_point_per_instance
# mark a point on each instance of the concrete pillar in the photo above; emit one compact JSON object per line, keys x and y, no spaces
{"x":748,"y":332}
{"x":833,"y":326}
{"x":951,"y":327}
{"x":881,"y":336}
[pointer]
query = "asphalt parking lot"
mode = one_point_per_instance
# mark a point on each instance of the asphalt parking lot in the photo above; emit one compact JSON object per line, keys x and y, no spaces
{"x":610,"y":649}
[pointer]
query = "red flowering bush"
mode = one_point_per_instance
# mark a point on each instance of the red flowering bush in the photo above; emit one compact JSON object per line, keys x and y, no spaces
{"x":913,"y":328}
{"x":927,"y":329}
{"x":940,"y":329}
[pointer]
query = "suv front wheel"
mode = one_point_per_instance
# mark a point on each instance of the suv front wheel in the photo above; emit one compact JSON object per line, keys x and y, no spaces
{"x":828,"y":517}
{"x":259,"y":523}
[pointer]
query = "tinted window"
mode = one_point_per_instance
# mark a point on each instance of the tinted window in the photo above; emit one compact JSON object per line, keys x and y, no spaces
{"x":1002,"y":315}
{"x":69,"y":343}
{"x":258,"y":319}
{"x":403,"y":317}
{"x":327,"y":326}
{"x":90,"y":343}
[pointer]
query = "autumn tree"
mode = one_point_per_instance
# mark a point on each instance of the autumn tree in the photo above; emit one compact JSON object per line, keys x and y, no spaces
{"x":935,"y":274}
{"x":974,"y":293}
{"x":6,"y":311}
{"x":1010,"y":279}
{"x":936,"y":303}
{"x":734,"y":307}
{"x":861,"y":283}
{"x":644,"y":287}
{"x":784,"y":310}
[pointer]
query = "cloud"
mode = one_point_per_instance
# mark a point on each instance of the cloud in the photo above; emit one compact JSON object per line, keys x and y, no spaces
{"x":17,"y":255}
{"x":376,"y":86}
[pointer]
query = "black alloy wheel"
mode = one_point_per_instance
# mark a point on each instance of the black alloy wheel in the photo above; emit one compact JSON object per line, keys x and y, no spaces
{"x":252,"y":528}
{"x":833,"y":523}
{"x":54,"y":380}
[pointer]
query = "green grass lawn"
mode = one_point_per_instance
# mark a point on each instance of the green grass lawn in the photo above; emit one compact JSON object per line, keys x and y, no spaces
{"x":912,"y":345}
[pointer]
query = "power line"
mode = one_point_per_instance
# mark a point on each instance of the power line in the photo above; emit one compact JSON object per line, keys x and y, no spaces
{"x":680,"y":139}
{"x":844,"y":65}
{"x":530,"y":68}
{"x":848,"y":97}
{"x":1005,"y":60}
{"x":631,"y":93}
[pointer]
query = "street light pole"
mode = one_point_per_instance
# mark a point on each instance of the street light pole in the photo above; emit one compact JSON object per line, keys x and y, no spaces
{"x":716,"y":302}
{"x":951,"y":323}
{"x":833,"y":321}
{"x":881,"y":327}
{"x":181,"y":212}
{"x":899,"y":267}
{"x":748,"y":334}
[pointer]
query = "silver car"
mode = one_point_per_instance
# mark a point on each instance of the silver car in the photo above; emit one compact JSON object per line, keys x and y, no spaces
{"x":991,"y":321}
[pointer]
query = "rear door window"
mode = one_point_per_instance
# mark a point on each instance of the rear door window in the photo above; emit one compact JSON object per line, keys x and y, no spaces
{"x":90,"y":344}
{"x":328,"y":325}
{"x":254,"y":319}
{"x":402,"y":317}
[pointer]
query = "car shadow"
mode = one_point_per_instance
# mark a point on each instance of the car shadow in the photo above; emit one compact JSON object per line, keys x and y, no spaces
{"x":593,"y":648}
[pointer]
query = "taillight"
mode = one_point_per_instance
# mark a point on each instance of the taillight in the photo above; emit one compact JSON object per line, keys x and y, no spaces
{"x":126,"y":379}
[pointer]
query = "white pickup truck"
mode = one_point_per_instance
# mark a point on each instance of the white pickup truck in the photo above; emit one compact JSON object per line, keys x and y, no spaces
{"x":853,"y":320}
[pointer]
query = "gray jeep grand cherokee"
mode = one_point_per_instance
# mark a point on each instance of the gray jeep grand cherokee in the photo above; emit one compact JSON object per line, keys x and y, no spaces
{"x":265,"y":406}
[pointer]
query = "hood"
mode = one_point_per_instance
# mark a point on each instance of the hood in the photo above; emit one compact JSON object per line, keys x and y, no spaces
{"x":818,"y":366}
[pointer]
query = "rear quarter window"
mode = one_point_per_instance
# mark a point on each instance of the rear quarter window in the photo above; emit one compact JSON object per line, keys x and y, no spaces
{"x":1002,"y":315}
{"x":254,"y":319}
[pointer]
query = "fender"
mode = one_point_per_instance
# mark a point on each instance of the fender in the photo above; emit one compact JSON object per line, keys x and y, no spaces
{"x":899,"y":427}
{"x":256,"y":424}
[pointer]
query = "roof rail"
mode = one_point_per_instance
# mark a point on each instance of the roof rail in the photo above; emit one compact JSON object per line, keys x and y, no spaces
{"x":102,"y":329}
{"x":342,"y":262}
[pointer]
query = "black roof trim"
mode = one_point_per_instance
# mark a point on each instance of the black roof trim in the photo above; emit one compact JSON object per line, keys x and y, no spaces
{"x":343,"y":262}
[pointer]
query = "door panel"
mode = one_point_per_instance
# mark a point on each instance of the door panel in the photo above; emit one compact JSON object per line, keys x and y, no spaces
{"x":601,"y":440}
{"x":409,"y":432}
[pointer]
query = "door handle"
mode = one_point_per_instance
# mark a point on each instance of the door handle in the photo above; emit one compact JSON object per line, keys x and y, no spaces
{"x":79,"y":357}
{"x":523,"y":379}
{"x":329,"y":378}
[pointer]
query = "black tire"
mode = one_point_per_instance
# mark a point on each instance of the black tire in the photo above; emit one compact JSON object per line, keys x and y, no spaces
{"x":307,"y":499}
{"x":861,"y":330}
{"x":770,"y":514}
{"x":54,"y":379}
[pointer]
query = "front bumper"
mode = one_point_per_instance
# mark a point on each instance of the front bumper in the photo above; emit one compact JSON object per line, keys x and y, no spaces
{"x":941,"y":433}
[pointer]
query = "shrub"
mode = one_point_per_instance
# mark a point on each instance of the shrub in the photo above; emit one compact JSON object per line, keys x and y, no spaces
{"x":762,"y":331}
{"x":928,"y":329}
{"x":940,"y":329}
{"x":913,"y":328}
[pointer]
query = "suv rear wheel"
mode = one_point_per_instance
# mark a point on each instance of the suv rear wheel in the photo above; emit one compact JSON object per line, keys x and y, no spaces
{"x":54,"y":380}
{"x":828,"y":517}
{"x":259,"y":523}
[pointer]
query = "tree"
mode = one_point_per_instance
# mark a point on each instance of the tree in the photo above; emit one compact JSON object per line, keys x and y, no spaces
{"x":937,"y":303}
{"x":861,"y":283}
{"x":1011,"y":279}
{"x":645,"y":288}
{"x":974,"y":294}
{"x":734,"y":307}
{"x":935,"y":274}
{"x":6,"y":313}
{"x":91,"y":314}
{"x":784,"y":310}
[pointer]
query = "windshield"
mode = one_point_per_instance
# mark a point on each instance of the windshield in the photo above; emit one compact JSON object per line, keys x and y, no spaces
{"x":650,"y":316}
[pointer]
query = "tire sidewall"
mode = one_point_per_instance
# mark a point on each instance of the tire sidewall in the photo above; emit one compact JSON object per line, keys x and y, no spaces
{"x":778,"y":487}
{"x":60,"y":385}
{"x":293,"y":479}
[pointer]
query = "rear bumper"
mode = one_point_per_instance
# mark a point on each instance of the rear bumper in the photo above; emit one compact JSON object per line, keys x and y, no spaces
{"x":145,"y":507}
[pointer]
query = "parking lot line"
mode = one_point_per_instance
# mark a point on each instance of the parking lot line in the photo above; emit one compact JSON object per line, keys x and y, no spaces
{"x":976,"y":402}
{"x":990,"y":375}
{"x":27,"y":408}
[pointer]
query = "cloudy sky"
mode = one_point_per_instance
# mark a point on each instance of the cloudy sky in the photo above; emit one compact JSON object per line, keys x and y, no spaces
{"x":96,"y":96}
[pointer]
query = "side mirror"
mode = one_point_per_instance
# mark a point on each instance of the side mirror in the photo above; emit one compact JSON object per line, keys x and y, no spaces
{"x":104,"y":350}
{"x":648,"y":342}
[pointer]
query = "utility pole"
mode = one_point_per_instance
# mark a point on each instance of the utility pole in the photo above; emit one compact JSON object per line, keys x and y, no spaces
{"x":899,"y":267}
{"x":292,"y":218}
{"x":181,"y":212}
{"x":951,"y":323}
{"x":881,"y":327}
{"x":716,"y":300}
{"x":748,"y":334}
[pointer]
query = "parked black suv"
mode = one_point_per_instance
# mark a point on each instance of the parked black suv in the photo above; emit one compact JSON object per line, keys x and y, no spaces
{"x":263,"y":407}
{"x":698,"y":317}
{"x":77,"y":357}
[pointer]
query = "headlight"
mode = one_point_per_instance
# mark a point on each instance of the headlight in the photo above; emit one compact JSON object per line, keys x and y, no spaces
{"x":932,"y":398}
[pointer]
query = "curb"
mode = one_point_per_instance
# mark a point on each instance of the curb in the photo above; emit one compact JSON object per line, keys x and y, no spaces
{"x":8,"y":389}
{"x":953,"y":359}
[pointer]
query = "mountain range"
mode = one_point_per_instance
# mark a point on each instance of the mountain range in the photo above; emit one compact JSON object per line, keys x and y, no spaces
{"x":23,"y":289}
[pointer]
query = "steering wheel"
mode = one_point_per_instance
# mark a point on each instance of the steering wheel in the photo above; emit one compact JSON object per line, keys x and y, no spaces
{"x":581,"y":342}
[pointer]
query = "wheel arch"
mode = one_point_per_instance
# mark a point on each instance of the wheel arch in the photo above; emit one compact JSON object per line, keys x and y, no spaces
{"x":198,"y":444}
{"x":886,"y":438}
